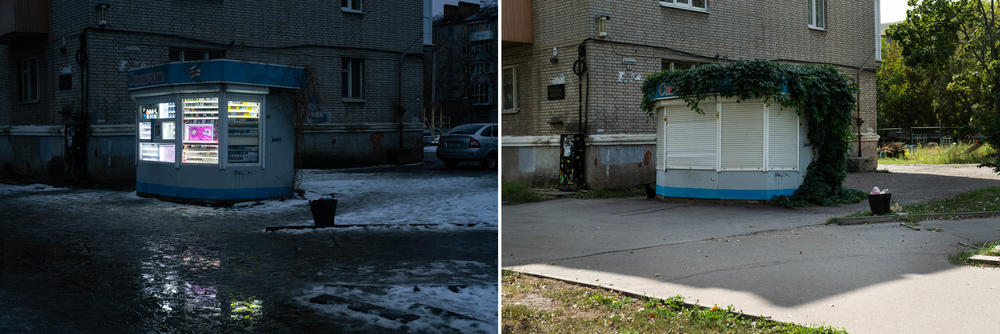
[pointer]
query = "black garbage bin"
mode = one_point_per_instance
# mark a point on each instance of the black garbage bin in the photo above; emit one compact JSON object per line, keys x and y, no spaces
{"x":879,"y":203}
{"x":323,"y":210}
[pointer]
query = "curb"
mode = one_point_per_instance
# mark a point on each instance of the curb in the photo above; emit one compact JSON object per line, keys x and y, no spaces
{"x":925,"y":216}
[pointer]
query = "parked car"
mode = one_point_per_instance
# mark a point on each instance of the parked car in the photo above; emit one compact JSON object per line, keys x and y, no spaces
{"x":470,"y":142}
{"x":432,"y":140}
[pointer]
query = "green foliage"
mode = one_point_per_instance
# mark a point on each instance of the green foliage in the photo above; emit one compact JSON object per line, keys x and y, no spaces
{"x":957,"y":41}
{"x":986,"y":199}
{"x":958,"y":153}
{"x":517,"y":193}
{"x":823,"y":96}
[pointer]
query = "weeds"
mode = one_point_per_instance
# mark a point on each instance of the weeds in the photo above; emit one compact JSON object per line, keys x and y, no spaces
{"x":942,"y":154}
{"x":517,"y":193}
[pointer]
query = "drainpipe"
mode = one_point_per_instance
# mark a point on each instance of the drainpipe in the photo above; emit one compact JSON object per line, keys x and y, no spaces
{"x":399,"y":97}
{"x":858,"y":119}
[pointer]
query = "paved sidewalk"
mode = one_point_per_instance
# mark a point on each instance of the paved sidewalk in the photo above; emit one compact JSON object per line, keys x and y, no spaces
{"x":771,"y":261}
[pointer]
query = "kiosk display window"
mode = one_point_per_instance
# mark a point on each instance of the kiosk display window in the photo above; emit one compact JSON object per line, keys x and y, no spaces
{"x":201,"y":125}
{"x":156,"y":132}
{"x":244,"y":131}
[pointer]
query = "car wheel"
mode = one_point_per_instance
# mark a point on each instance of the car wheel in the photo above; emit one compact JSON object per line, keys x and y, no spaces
{"x":490,"y":162}
{"x":451,"y":164}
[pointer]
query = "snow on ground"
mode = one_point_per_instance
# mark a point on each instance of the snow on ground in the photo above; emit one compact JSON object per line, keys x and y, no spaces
{"x":11,"y":189}
{"x":406,"y":198}
{"x":379,"y":195}
{"x":437,"y":308}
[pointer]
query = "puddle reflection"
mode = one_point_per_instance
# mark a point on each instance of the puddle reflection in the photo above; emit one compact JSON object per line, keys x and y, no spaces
{"x":180,"y":282}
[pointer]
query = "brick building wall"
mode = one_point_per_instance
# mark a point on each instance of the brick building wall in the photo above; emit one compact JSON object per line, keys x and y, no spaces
{"x":316,"y":35}
{"x":644,"y":34}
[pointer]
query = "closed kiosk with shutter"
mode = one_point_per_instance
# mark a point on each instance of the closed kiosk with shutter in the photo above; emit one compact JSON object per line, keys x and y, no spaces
{"x":744,"y":150}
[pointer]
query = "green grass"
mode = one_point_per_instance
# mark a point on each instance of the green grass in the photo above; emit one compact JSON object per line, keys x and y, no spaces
{"x":538,"y":305}
{"x":986,"y":199}
{"x":609,"y":193}
{"x":984,"y":249}
{"x":939,"y":155}
{"x":517,"y":193}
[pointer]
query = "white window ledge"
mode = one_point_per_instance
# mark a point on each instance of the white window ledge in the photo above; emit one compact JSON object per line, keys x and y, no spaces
{"x":510,"y":111}
{"x":352,"y":11}
{"x":816,"y":28}
{"x":684,"y":7}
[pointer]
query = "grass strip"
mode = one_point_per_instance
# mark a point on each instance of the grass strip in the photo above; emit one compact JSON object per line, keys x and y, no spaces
{"x":540,"y":305}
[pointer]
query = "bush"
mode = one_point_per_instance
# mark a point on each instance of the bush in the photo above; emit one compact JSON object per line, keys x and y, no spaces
{"x":893,"y":150}
{"x":516,"y":193}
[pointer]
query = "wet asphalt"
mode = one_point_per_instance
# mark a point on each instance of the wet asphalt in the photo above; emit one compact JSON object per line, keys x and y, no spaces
{"x":85,"y":261}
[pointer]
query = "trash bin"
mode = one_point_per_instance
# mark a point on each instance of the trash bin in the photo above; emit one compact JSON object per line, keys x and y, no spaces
{"x":323,"y":210}
{"x":879,"y":203}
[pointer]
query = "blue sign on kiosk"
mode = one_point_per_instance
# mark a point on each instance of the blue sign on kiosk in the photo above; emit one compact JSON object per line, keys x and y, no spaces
{"x":215,"y":131}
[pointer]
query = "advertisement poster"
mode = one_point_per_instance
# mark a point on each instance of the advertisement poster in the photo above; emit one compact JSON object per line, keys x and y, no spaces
{"x":200,"y":133}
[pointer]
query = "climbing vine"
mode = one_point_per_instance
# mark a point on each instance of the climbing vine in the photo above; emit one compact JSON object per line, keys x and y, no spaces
{"x":822,"y":95}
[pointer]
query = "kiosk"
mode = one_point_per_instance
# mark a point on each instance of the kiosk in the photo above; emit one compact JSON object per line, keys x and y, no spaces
{"x":746,"y":150}
{"x":215,"y":131}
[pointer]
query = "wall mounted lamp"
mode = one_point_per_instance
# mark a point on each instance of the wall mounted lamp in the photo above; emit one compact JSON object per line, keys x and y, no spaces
{"x":102,"y":14}
{"x":602,"y":25}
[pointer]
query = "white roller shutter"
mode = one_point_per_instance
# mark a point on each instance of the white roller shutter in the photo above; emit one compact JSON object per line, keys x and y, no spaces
{"x":691,"y":138}
{"x":782,"y":139}
{"x":661,"y":137}
{"x":743,"y":136}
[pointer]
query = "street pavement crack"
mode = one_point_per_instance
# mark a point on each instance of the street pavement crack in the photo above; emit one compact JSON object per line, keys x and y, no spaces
{"x":682,"y":242}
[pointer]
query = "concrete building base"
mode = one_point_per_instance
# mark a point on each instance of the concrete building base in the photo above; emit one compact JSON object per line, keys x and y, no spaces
{"x":612,"y":161}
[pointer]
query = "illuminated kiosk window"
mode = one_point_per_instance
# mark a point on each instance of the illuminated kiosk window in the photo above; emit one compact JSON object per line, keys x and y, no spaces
{"x":206,"y":124}
{"x":156,"y":132}
{"x":244,"y":131}
{"x":201,"y":130}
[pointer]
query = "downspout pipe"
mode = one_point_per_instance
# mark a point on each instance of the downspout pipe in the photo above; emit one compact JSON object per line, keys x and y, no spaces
{"x":399,"y":96}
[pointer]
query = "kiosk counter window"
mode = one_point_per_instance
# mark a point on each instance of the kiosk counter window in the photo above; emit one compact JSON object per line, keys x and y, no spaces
{"x":157,"y":132}
{"x":201,"y":130}
{"x":244,"y":130}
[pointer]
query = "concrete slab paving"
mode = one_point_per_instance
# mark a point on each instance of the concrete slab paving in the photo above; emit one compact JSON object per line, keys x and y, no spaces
{"x":774,"y":262}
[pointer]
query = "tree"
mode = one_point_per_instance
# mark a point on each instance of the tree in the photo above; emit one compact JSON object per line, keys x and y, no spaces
{"x":962,"y":36}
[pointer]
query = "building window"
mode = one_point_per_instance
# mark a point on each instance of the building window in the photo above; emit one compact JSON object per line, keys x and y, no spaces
{"x":670,"y":65}
{"x":480,"y":32}
{"x":817,"y":14}
{"x":478,"y":51}
{"x":190,"y":54}
{"x":352,"y":78}
{"x":355,"y":6}
{"x":481,"y":93}
{"x":29,"y":80}
{"x":698,"y":5}
{"x":510,"y":93}
{"x":479,"y":68}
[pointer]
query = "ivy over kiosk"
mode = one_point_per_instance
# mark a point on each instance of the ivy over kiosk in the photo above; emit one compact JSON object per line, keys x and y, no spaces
{"x":822,"y":95}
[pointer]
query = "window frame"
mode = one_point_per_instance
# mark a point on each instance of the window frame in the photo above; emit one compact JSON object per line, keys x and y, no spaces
{"x":26,"y":78}
{"x":347,"y":91}
{"x":349,"y":7}
{"x":674,"y":63}
{"x":687,"y":5}
{"x":207,"y":54}
{"x":480,"y":93}
{"x":817,"y":16}
{"x":515,"y":106}
{"x":156,"y":138}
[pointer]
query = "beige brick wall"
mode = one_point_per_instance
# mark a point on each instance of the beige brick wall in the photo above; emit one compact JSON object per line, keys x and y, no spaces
{"x":648,"y":32}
